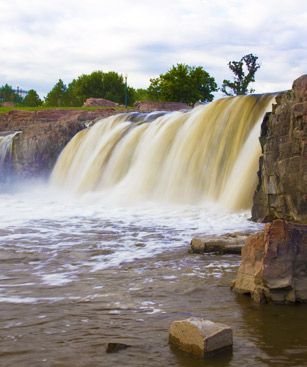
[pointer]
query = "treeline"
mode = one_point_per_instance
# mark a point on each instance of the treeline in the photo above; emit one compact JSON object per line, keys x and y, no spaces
{"x":181,"y":83}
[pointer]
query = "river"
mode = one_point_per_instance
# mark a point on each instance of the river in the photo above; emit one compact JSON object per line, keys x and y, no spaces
{"x":80,"y":272}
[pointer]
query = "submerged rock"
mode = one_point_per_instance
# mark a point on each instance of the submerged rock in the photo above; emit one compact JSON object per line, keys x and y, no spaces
{"x":200,"y":337}
{"x":274,"y":264}
{"x":230,"y":243}
{"x":116,"y":347}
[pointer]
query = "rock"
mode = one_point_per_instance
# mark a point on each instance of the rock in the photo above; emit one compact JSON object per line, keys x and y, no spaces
{"x":200,"y":337}
{"x":116,"y":347}
{"x":99,"y":102}
{"x":44,"y":133}
{"x":7,"y":104}
{"x":274,"y":264}
{"x":160,"y":106}
{"x":230,"y":243}
{"x":282,"y":186}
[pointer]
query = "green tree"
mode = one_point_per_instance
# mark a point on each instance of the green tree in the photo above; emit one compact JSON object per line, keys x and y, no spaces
{"x":7,"y":94}
{"x":244,"y":73}
{"x":141,"y":95}
{"x":32,"y":99}
{"x":58,"y":96}
{"x":98,"y":84}
{"x":183,"y":83}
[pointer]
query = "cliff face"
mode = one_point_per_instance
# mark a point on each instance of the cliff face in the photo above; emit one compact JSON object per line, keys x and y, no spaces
{"x":43,"y":136}
{"x":282,"y":187}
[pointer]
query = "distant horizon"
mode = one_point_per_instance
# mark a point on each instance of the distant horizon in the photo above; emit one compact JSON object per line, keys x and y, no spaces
{"x":43,"y":42}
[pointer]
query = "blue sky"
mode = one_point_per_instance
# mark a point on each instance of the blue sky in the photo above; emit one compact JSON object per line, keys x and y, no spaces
{"x":42,"y":41}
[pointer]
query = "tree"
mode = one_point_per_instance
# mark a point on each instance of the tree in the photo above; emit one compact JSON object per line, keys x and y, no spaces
{"x":58,"y":96}
{"x":32,"y":99}
{"x":98,"y":84}
{"x":7,"y":94}
{"x":183,"y":83}
{"x":241,"y":79}
{"x":141,"y":95}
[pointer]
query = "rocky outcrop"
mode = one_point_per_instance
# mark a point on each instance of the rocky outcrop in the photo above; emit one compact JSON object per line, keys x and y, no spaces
{"x":282,"y":187}
{"x":160,"y":106}
{"x":99,"y":102}
{"x":200,"y":337}
{"x":43,"y":136}
{"x":229,"y":243}
{"x":274,"y":264}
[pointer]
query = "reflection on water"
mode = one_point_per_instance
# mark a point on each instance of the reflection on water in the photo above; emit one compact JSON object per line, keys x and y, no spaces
{"x":76,"y":275}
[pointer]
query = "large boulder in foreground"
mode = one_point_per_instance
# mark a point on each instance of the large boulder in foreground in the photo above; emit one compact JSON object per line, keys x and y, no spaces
{"x":282,"y":187}
{"x":274,"y":264}
{"x":200,"y":337}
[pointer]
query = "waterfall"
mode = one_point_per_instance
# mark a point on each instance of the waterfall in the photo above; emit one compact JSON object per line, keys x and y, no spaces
{"x":6,"y":147}
{"x":207,"y":154}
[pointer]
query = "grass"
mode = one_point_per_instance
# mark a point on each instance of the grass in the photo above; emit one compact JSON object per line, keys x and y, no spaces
{"x":22,"y":108}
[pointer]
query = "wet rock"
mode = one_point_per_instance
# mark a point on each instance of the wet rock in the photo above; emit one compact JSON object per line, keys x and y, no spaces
{"x":282,"y":184}
{"x":274,"y":264}
{"x":116,"y":347}
{"x":230,"y":243}
{"x":200,"y":337}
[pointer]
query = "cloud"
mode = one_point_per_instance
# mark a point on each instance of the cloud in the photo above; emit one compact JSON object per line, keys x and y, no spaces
{"x":43,"y":41}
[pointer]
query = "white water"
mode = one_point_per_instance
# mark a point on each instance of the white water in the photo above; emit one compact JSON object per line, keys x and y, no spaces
{"x":52,"y":238}
{"x":62,"y":236}
{"x":6,"y":144}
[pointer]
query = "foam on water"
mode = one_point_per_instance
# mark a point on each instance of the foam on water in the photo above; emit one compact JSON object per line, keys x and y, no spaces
{"x":56,"y":237}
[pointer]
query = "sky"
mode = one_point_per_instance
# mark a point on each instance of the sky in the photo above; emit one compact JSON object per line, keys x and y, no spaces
{"x":42,"y":41}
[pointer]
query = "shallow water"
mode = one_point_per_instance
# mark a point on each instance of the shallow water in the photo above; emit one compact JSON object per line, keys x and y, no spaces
{"x":79,"y":273}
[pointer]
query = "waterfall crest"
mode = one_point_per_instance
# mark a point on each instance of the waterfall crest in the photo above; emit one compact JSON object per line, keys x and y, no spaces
{"x":207,"y":154}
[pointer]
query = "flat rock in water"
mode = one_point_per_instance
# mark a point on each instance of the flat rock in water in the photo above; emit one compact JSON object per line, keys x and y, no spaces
{"x":200,"y":337}
{"x":230,"y":243}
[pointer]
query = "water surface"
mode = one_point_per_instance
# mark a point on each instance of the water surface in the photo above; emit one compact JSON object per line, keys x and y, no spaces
{"x":79,"y":273}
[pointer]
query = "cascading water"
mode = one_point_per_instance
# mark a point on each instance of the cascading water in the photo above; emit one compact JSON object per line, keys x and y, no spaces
{"x":207,"y":154}
{"x":6,"y":148}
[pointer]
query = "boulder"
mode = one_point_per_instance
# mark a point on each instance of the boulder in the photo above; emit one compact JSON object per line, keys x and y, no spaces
{"x":160,"y":106}
{"x":200,"y":337}
{"x":282,"y":185}
{"x":274,"y":264}
{"x":230,"y":243}
{"x":99,"y":102}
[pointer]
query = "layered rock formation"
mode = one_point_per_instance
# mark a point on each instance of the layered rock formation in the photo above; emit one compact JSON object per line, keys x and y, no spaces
{"x":43,"y":136}
{"x":274,"y":264}
{"x":282,"y":187}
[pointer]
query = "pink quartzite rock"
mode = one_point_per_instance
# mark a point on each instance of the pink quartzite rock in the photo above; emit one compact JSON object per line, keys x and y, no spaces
{"x":99,"y":102}
{"x":200,"y":337}
{"x":282,"y":187}
{"x":160,"y":106}
{"x":274,"y":264}
{"x":43,"y":135}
